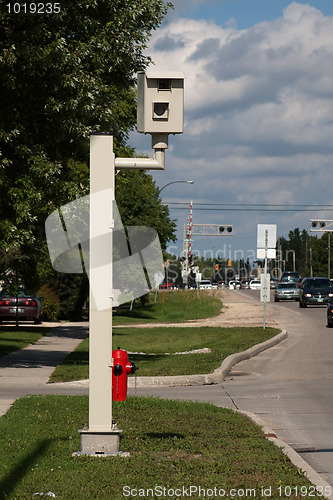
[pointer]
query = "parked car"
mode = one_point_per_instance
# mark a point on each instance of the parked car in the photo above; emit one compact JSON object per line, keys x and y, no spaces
{"x":290,"y":276}
{"x":314,"y":291}
{"x":255,"y":284}
{"x":286,"y":291}
{"x":205,"y":285}
{"x":245,"y":284}
{"x":330,"y":314}
{"x":220,"y":284}
{"x":26,"y":306}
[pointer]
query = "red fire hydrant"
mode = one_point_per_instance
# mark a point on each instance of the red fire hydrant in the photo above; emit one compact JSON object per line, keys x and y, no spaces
{"x":120,"y":370}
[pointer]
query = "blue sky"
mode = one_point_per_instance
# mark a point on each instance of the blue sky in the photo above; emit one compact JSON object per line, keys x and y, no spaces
{"x":258,"y":125}
{"x":245,"y":12}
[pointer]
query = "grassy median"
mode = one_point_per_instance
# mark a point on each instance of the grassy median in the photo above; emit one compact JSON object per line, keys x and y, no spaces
{"x":156,"y":349}
{"x":173,"y":446}
{"x":171,"y":306}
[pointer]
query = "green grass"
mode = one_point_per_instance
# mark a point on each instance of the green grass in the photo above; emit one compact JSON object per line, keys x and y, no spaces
{"x":172,"y":445}
{"x":178,"y":305}
{"x":157,"y":340}
{"x":15,"y":338}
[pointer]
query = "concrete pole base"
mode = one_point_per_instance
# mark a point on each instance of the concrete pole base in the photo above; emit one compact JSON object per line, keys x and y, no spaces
{"x":99,"y":443}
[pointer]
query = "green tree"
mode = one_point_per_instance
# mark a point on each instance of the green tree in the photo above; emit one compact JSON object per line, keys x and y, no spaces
{"x":138,"y":201}
{"x":63,"y":76}
{"x":294,"y":251}
{"x":319,"y":255}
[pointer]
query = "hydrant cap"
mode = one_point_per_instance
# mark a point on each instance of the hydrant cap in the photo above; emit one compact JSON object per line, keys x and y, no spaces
{"x":120,"y":356}
{"x":128,"y":367}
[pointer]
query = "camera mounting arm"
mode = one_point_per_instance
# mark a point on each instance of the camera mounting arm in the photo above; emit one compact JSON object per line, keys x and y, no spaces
{"x":159,"y":142}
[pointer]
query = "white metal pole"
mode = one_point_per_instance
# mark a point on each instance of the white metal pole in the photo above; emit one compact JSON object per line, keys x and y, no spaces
{"x":100,"y":331}
{"x":100,"y":437}
{"x":266,"y":248}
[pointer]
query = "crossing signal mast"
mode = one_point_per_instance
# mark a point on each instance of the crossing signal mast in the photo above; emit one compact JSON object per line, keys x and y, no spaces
{"x":190,"y":230}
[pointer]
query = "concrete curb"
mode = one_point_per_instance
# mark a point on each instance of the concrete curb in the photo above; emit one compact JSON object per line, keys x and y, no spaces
{"x":233,"y":359}
{"x":216,"y":377}
{"x":314,"y":477}
{"x":210,"y":378}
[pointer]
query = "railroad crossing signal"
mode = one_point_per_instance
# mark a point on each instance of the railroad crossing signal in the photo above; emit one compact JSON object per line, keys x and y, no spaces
{"x":321,"y":225}
{"x":212,"y":230}
{"x":225,"y":229}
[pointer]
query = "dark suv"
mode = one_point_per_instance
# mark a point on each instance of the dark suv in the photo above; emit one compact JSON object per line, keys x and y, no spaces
{"x":313,"y":291}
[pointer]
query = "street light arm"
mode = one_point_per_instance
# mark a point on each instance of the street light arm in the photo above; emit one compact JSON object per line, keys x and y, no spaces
{"x":175,"y":182}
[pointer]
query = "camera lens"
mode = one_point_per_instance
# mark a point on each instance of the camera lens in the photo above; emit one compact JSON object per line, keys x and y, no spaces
{"x":160,"y":109}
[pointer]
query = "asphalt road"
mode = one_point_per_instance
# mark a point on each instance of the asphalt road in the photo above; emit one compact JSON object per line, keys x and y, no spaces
{"x":289,"y":386}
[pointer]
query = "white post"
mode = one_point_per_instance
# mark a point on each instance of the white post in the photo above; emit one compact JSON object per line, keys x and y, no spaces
{"x":101,"y":437}
{"x":266,"y":248}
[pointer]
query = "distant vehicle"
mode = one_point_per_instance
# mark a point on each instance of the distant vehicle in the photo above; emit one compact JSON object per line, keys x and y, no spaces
{"x":290,"y":276}
{"x":255,"y":285}
{"x":245,"y":284}
{"x":286,"y":291}
{"x":315,"y":291}
{"x":220,"y":284}
{"x":330,"y":314}
{"x":214,"y":286}
{"x":205,"y":285}
{"x":26,"y":306}
{"x":273,"y":282}
{"x":234,"y":284}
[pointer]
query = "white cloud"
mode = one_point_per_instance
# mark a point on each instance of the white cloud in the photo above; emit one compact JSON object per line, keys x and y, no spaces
{"x":258,"y":109}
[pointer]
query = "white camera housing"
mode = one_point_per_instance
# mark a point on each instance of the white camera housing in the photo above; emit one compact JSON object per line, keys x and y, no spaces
{"x":160,"y":102}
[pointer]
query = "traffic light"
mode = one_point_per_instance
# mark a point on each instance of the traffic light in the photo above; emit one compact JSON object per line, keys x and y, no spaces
{"x":319,"y":225}
{"x":225,"y":229}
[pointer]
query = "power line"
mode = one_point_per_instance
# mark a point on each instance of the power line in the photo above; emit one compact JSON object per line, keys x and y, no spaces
{"x":250,"y":207}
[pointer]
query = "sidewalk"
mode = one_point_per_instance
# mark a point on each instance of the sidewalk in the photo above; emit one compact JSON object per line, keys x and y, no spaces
{"x":28,"y":370}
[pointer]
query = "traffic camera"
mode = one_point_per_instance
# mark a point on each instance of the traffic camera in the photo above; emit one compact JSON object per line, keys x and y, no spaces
{"x":160,"y":102}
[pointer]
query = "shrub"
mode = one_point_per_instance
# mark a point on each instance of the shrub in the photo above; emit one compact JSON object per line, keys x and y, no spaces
{"x":50,"y":304}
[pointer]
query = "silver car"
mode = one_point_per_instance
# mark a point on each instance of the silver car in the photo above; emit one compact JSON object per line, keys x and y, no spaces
{"x":286,"y":291}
